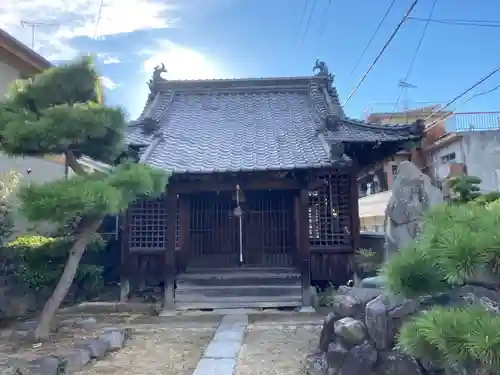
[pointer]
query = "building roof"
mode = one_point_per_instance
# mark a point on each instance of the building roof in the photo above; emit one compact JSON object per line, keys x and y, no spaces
{"x":23,"y":52}
{"x":251,"y":124}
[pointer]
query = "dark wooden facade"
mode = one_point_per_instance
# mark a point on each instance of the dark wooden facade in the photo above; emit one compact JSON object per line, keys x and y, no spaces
{"x":305,"y":219}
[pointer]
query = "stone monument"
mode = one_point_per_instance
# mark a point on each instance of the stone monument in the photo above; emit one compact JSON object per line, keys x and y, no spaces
{"x":412,"y":195}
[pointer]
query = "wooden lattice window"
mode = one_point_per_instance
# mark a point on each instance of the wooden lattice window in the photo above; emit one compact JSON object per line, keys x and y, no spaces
{"x":147,"y":225}
{"x":330,"y":211}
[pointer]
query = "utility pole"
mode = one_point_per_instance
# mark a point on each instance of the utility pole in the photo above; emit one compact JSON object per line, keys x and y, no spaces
{"x":33,"y":26}
{"x":404,"y":86}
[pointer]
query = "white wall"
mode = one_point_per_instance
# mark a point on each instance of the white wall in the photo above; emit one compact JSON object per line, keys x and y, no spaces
{"x":480,"y":152}
{"x":7,"y":75}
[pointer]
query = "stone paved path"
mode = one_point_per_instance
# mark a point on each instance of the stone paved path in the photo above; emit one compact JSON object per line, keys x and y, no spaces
{"x":278,"y":348}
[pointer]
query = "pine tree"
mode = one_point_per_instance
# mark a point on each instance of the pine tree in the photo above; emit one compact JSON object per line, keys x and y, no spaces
{"x":61,"y":111}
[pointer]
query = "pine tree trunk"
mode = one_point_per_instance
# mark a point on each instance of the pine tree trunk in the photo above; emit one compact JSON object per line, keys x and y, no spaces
{"x":75,"y":255}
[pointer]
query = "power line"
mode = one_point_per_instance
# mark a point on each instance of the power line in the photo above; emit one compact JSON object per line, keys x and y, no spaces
{"x":408,"y":12}
{"x":415,"y":53}
{"x":482,"y":93}
{"x":98,"y":19}
{"x":372,"y":38}
{"x":489,"y":75}
{"x":308,"y":22}
{"x":324,"y":20}
{"x":302,"y":17}
{"x":475,"y":23}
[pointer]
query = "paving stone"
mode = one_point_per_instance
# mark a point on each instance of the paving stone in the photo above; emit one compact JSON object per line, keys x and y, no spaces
{"x":230,"y":333}
{"x":212,"y":366}
{"x":222,"y":349}
{"x":234,"y":319}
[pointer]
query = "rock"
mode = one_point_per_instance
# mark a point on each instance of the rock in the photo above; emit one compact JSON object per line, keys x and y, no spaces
{"x":79,"y":322}
{"x":377,"y":322}
{"x":472,"y":294}
{"x":359,"y":360}
{"x":316,"y":365}
{"x":46,"y":365}
{"x":327,"y":332}
{"x":374,"y":282}
{"x":397,"y":363}
{"x":14,"y":367}
{"x":74,"y":358}
{"x":115,"y":337}
{"x":16,"y":301}
{"x":384,"y":316}
{"x":350,"y":331}
{"x":352,"y":301}
{"x":97,"y":348}
{"x":335,"y":355}
{"x":412,"y":195}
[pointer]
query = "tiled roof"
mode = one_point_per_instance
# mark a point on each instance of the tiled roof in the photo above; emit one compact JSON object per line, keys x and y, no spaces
{"x":247,"y":125}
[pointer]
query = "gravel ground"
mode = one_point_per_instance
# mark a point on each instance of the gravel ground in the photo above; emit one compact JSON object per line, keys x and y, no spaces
{"x":276,"y":349}
{"x":156,"y":351}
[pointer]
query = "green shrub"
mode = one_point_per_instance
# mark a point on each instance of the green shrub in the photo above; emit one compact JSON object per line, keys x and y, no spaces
{"x":467,"y":336}
{"x":459,"y":243}
{"x":40,"y":261}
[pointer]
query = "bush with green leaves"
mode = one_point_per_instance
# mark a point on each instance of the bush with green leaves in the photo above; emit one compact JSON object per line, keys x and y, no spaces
{"x":39,"y":262}
{"x":459,"y":244}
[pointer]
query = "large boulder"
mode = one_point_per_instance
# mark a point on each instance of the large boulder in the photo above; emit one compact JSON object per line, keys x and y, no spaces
{"x":412,"y":195}
{"x":351,"y":301}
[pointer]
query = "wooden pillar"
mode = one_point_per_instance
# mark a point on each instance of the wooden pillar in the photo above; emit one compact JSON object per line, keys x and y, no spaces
{"x":170,"y":266}
{"x":304,"y":247}
{"x":354,"y":203}
{"x":124,"y":261}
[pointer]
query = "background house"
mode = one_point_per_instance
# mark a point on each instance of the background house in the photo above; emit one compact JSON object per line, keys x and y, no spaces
{"x":455,"y":144}
{"x":19,"y":61}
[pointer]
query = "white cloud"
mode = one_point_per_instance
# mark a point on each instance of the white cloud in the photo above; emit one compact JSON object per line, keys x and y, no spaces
{"x":108,"y":58}
{"x":76,"y":18}
{"x":181,"y":62}
{"x":109,"y":83}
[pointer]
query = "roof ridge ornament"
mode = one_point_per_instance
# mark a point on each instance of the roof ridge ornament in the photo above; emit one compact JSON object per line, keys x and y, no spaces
{"x":156,"y":77}
{"x":320,"y":69}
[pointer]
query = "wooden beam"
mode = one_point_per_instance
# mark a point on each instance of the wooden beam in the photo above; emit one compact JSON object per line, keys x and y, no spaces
{"x":185,"y":187}
{"x":170,"y":265}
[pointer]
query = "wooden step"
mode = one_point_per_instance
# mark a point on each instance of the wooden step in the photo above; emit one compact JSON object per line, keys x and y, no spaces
{"x":244,"y":269}
{"x":238,"y":302}
{"x":247,"y":287}
{"x":239,"y":291}
{"x":193,"y":281}
{"x":235,"y":304}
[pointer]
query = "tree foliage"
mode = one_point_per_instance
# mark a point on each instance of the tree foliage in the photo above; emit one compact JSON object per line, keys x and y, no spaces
{"x":61,"y":111}
{"x":459,"y":244}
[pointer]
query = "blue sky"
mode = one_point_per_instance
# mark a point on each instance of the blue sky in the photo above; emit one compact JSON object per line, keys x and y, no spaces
{"x":259,"y":38}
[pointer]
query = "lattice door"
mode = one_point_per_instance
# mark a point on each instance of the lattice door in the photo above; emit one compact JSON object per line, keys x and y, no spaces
{"x":268,"y":223}
{"x":213,"y":230}
{"x":330,"y":212}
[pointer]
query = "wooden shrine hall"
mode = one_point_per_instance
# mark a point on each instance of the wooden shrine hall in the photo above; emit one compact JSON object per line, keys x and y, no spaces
{"x":263,"y":197}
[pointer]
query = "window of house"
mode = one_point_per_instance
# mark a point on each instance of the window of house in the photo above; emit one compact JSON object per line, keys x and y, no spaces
{"x":394,"y":169}
{"x":448,"y":158}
